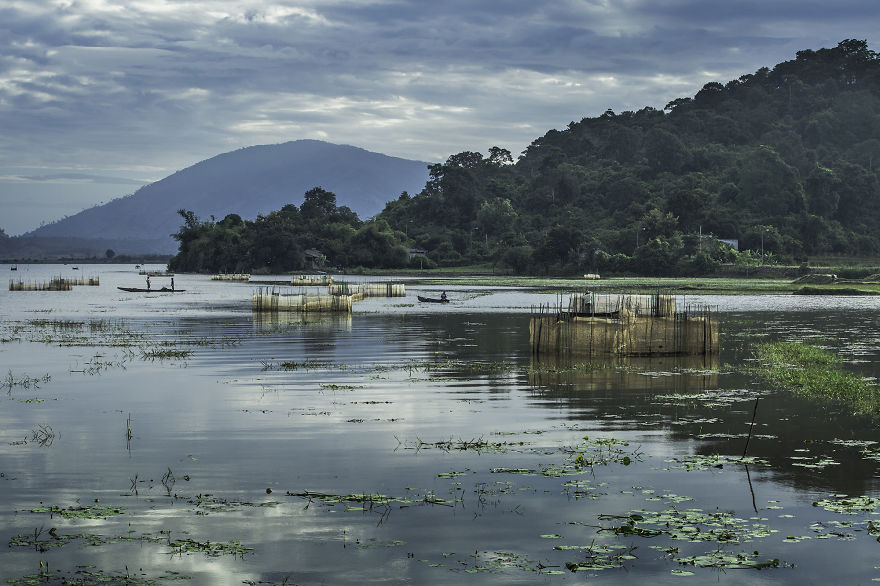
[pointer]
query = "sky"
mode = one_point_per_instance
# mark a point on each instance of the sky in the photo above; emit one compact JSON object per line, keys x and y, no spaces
{"x":98,"y":97}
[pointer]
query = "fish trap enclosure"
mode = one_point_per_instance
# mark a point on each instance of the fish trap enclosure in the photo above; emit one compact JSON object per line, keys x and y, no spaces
{"x":57,"y":284}
{"x":623,"y":325}
{"x":590,"y":304}
{"x":369,"y":289}
{"x":231,"y":277}
{"x":85,"y":281}
{"x":274,"y":300}
{"x":311,"y":280}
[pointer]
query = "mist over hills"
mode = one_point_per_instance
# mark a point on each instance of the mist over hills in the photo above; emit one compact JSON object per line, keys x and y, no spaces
{"x":249,"y":181}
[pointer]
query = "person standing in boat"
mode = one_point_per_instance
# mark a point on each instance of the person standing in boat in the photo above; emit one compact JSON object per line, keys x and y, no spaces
{"x":172,"y":283}
{"x":443,"y":296}
{"x":148,"y":282}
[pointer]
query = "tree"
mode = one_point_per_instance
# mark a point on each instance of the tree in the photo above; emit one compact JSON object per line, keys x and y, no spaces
{"x":656,"y":223}
{"x":274,"y":244}
{"x":664,"y":150}
{"x":518,"y":258}
{"x":768,"y":185}
{"x":496,"y":216}
{"x":499,"y":156}
{"x":821,"y":192}
{"x":110,"y":253}
{"x":376,"y":245}
{"x":318,"y":204}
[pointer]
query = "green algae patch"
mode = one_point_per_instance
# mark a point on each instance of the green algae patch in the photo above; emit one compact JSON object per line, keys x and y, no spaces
{"x":84,"y":575}
{"x":849,"y":505}
{"x":694,"y":525}
{"x":209,"y":548}
{"x":729,"y":561}
{"x":87,"y":512}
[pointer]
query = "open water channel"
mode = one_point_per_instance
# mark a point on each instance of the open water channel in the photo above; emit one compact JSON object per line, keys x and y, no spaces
{"x":165,"y":437}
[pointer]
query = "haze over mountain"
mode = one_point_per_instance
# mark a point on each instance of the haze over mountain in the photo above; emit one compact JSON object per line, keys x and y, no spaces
{"x":249,"y":181}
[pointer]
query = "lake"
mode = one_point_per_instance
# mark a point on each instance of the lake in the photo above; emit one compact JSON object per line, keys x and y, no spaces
{"x":151,"y":438}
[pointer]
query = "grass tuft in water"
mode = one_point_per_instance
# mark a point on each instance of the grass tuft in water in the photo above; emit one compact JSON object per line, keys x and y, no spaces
{"x":815,"y":373}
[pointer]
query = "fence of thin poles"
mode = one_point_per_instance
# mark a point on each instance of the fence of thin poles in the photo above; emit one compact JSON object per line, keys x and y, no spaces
{"x":630,"y":325}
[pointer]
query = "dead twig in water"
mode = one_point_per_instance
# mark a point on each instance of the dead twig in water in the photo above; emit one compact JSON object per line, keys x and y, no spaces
{"x":751,"y":427}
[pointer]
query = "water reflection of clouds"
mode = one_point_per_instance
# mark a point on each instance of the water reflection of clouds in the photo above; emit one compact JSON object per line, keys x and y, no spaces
{"x":397,"y":371}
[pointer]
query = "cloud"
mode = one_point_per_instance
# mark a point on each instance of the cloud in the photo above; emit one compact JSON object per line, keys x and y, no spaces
{"x":68,"y":178}
{"x":153,"y":86}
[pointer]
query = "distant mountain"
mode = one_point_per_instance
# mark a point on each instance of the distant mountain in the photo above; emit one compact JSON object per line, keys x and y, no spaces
{"x":250,"y":181}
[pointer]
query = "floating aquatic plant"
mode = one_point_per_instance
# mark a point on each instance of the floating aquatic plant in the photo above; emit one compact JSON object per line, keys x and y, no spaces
{"x":815,"y":373}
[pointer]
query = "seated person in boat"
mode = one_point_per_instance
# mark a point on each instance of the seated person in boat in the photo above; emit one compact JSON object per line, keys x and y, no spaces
{"x":443,"y":296}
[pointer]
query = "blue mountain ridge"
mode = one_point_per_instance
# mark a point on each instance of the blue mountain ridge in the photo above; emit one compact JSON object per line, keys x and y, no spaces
{"x":248,"y":181}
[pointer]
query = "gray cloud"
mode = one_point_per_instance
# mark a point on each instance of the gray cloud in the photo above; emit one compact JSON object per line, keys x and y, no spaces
{"x":140,"y":88}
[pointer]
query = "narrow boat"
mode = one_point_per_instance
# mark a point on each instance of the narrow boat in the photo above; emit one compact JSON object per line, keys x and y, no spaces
{"x":142,"y":290}
{"x":432,"y":300}
{"x":150,"y":289}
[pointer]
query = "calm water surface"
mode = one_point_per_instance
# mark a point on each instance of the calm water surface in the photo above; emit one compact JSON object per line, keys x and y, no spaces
{"x":414,"y":443}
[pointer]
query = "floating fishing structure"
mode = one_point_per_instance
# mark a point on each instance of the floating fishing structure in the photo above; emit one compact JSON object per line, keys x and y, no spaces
{"x":590,"y":304}
{"x":311,"y":280}
{"x":623,"y":325}
{"x":368,"y":289}
{"x":85,"y":281}
{"x":156,"y":273}
{"x":55,"y":284}
{"x":231,"y":277}
{"x":274,"y":299}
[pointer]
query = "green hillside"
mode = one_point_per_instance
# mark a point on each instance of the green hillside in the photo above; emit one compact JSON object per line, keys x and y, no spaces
{"x":784,"y":158}
{"x":781,"y":160}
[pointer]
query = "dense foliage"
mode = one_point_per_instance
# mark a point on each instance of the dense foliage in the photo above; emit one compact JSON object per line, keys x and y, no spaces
{"x":780,"y":160}
{"x":280,"y":241}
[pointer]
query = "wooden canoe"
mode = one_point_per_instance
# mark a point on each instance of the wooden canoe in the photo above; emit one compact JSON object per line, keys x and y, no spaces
{"x":432,"y":300}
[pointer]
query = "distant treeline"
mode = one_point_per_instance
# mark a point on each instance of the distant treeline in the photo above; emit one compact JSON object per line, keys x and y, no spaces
{"x":318,"y":233}
{"x":781,"y":160}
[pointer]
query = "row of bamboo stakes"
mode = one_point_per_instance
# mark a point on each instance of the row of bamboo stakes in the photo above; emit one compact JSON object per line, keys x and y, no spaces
{"x":231,"y":277}
{"x":623,"y":325}
{"x":54,"y":284}
{"x":339,"y":297}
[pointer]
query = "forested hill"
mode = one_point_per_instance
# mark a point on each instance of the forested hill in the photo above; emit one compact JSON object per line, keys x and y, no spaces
{"x":783,"y":159}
